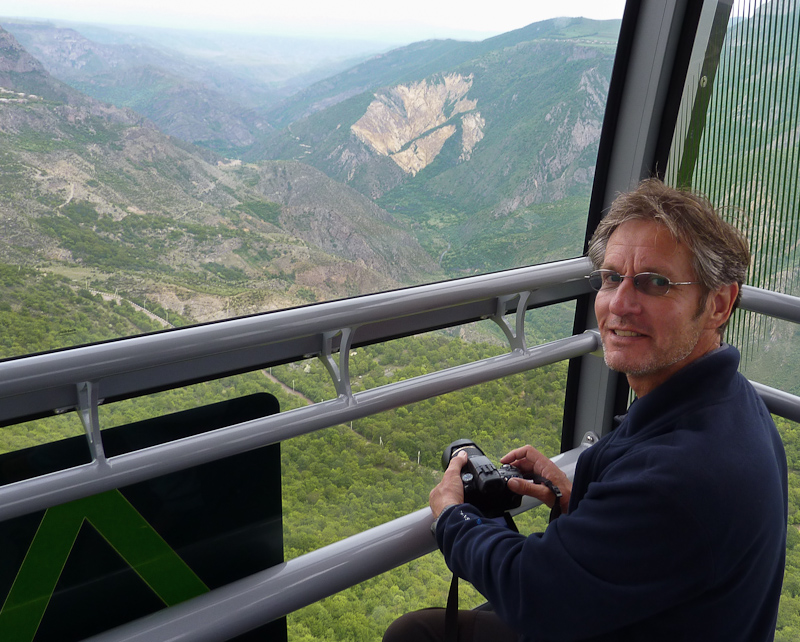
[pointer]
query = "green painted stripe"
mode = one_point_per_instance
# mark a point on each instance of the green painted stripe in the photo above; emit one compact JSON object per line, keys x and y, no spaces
{"x":125,"y":530}
{"x":128,"y":533}
{"x":37,"y":578}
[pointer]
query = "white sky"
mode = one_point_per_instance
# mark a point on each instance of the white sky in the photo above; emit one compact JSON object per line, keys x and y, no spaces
{"x":364,"y":19}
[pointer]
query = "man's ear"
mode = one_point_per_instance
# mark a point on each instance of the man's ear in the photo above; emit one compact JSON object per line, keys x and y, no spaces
{"x":721,"y":305}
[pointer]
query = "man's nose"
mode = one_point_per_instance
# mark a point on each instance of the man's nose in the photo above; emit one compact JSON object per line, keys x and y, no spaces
{"x":625,"y":299}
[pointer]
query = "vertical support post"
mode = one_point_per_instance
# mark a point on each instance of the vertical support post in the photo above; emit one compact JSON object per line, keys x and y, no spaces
{"x":515,"y":336}
{"x":340,"y":373}
{"x":90,"y":417}
{"x":640,"y":115}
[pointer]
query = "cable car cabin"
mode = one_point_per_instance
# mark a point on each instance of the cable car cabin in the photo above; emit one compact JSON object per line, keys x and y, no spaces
{"x":221,"y":416}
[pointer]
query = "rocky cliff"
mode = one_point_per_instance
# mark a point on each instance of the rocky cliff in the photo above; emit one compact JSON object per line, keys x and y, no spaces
{"x":502,"y":125}
{"x":411,"y":123}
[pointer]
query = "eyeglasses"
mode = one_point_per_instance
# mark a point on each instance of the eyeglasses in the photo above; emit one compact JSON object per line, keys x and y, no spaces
{"x":646,"y":282}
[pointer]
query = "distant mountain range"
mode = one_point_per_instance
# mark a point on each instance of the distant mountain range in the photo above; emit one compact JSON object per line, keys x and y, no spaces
{"x":198,"y":87}
{"x":433,"y":160}
{"x":86,"y":186}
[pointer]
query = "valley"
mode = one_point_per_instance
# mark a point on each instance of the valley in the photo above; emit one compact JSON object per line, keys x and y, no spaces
{"x":303,"y":212}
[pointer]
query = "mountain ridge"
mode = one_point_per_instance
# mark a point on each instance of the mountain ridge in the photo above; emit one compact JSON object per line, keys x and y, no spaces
{"x":532,"y":116}
{"x":88,"y":186}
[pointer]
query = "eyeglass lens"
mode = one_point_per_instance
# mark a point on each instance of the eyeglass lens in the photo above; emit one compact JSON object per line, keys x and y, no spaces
{"x":646,"y":282}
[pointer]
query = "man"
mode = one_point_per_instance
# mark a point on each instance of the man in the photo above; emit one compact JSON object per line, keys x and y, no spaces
{"x":675,"y":526}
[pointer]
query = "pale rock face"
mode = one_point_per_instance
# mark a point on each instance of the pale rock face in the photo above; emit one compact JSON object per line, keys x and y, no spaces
{"x":421,"y":152}
{"x":472,"y":126}
{"x":409,"y":123}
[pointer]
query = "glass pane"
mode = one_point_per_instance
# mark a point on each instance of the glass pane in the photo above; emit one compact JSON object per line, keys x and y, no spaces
{"x":737,"y":143}
{"x":176,"y":166}
{"x":737,"y":139}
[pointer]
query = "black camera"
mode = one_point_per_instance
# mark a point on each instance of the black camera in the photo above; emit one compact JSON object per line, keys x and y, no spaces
{"x":485,"y":486}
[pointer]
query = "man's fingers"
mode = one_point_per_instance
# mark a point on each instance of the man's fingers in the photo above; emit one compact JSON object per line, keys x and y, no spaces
{"x":457,"y":462}
{"x":531,"y":489}
{"x":450,"y":490}
{"x":455,"y":466}
{"x":516,"y":455}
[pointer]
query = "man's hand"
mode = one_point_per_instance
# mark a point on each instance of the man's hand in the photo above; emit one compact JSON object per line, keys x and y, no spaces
{"x":451,"y":489}
{"x":529,"y":460}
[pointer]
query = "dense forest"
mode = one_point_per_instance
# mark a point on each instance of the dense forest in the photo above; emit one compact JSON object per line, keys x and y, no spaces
{"x":345,"y":479}
{"x":789,"y":615}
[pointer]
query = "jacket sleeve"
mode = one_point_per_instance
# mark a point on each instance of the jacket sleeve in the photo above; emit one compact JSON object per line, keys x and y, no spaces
{"x":626,"y":553}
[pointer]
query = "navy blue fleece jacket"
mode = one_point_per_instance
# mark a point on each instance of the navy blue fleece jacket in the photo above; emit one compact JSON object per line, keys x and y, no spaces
{"x":676,"y":526}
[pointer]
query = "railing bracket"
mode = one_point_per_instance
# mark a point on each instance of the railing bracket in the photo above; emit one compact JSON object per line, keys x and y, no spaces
{"x":90,"y":417}
{"x":515,"y":336}
{"x":340,"y":373}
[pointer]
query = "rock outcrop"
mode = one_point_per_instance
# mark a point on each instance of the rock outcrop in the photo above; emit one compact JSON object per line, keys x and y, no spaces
{"x":411,"y":123}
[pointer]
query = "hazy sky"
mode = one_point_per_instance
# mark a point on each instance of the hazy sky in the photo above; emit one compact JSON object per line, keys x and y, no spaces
{"x":367,"y":19}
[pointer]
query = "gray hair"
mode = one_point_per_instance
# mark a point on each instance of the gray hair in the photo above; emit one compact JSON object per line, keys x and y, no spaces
{"x":720,"y":253}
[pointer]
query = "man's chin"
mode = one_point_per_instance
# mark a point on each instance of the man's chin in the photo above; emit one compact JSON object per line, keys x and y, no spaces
{"x":616,"y":359}
{"x":626,"y":365}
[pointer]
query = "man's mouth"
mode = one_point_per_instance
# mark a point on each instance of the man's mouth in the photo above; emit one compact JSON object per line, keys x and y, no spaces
{"x":626,"y":333}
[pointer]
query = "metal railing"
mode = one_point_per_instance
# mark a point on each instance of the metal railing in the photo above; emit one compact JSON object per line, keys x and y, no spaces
{"x":248,"y":603}
{"x":83,"y":378}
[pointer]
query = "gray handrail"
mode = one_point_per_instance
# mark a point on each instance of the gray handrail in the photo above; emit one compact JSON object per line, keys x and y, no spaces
{"x":245,"y":604}
{"x":62,"y":486}
{"x":774,"y":304}
{"x":779,"y":402}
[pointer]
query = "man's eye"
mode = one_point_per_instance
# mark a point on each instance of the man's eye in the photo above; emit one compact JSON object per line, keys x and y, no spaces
{"x":659,"y":281}
{"x":614,"y":277}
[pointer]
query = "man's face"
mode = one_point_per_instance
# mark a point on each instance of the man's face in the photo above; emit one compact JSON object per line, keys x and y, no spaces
{"x":649,"y":338}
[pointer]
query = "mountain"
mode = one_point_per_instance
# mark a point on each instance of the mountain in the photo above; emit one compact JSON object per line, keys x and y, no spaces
{"x":201,"y":88}
{"x":194,"y":102}
{"x":23,"y":73}
{"x":437,"y":159}
{"x":458,"y":139}
{"x":99,"y":193}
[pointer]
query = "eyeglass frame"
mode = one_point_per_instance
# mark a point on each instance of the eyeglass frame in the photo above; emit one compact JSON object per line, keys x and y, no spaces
{"x":635,"y":278}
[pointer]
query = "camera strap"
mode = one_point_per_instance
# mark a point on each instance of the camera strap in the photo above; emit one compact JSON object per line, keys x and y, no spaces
{"x":556,"y":510}
{"x":451,"y":611}
{"x":510,"y":522}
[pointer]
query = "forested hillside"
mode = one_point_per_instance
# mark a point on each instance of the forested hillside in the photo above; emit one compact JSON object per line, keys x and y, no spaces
{"x":99,"y":195}
{"x":342,"y":480}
